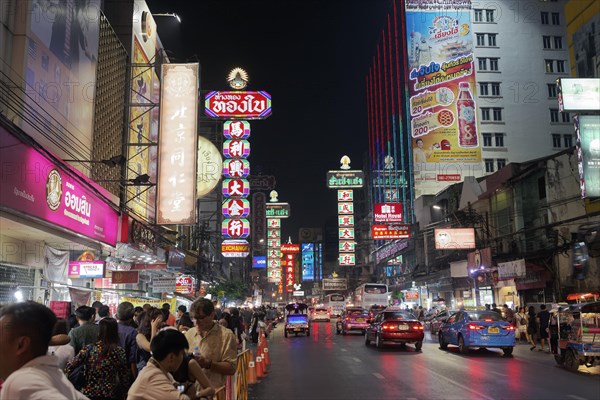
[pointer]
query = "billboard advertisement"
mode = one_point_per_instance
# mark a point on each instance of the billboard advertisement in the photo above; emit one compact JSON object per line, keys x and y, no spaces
{"x":443,"y":115}
{"x":577,"y":94}
{"x":60,"y":63}
{"x":259,"y":262}
{"x":33,"y":185}
{"x":587,"y":129}
{"x":246,"y":105}
{"x":86,"y":269}
{"x":450,"y":239}
{"x":176,"y":197}
{"x":308,"y":261}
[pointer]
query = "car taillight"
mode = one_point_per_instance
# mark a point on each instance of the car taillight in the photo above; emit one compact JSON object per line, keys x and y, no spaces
{"x":474,"y":327}
{"x":418,"y":327}
{"x":488,"y":320}
{"x":509,"y":327}
{"x":388,"y":327}
{"x":347,"y":319}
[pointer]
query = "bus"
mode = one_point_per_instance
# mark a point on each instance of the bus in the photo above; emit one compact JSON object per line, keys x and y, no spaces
{"x":369,"y":294}
{"x":336,"y":304}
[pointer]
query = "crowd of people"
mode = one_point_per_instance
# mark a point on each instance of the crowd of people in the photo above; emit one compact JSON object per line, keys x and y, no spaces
{"x":139,"y":353}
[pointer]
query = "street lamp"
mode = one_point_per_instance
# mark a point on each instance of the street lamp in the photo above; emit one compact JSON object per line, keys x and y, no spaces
{"x":168,"y":15}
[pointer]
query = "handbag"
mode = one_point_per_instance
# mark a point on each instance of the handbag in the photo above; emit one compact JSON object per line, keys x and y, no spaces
{"x":77,"y":375}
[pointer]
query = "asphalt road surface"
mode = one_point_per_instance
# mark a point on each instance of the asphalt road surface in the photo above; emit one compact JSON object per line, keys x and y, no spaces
{"x":332,"y":367}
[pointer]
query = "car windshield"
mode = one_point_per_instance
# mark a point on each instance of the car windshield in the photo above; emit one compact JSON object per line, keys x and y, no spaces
{"x":397,"y":315}
{"x":358,"y":312}
{"x":484,"y":316}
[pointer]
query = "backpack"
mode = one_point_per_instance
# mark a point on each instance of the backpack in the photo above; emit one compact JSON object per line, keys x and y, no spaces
{"x":523,"y":321}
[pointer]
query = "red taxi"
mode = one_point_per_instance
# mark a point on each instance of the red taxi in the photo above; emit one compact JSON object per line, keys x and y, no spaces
{"x":354,"y":319}
{"x":397,"y":326}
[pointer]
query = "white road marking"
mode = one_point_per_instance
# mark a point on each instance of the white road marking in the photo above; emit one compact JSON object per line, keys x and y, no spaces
{"x":356,"y":359}
{"x":497,"y":373}
{"x":378,"y":375}
{"x":576,"y":397}
{"x":475,"y":392}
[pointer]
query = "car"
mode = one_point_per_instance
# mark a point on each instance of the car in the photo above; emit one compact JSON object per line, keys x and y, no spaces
{"x":321,"y":314}
{"x":397,"y":326}
{"x":375,"y":309}
{"x":438,"y":320}
{"x":477,"y":328}
{"x":354,"y":319}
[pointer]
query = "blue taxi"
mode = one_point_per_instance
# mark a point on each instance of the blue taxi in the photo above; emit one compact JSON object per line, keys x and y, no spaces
{"x":477,"y":328}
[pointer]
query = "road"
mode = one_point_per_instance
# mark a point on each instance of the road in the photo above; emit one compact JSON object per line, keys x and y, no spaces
{"x":332,"y":367}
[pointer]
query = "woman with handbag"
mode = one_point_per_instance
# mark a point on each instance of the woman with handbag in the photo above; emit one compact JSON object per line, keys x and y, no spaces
{"x":103,"y":365}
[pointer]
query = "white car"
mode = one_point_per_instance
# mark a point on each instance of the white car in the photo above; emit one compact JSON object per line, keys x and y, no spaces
{"x":321,"y":314}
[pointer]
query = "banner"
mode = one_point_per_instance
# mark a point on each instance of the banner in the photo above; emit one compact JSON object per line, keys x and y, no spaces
{"x":512,"y":269}
{"x":445,"y":137}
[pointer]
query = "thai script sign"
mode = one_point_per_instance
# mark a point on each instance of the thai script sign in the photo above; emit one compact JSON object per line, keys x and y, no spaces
{"x":33,"y":185}
{"x":278,"y":210}
{"x":461,"y":238}
{"x":290,"y":248}
{"x":86,"y":269}
{"x":335,"y":284}
{"x":444,"y":131}
{"x":247,"y":105}
{"x":345,"y":179}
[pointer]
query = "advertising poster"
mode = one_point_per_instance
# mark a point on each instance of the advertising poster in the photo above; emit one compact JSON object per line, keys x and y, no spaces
{"x":61,"y":58}
{"x":308,"y":261}
{"x":588,"y":154}
{"x":444,"y":127}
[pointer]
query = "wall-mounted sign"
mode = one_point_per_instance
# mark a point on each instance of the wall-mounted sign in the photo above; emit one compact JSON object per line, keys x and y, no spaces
{"x":578,"y":94}
{"x":463,"y":238}
{"x":347,"y":246}
{"x":273,"y":223}
{"x":235,"y":248}
{"x":298,"y":293}
{"x":346,"y":207}
{"x":210,"y":167}
{"x":335,"y":284}
{"x":345,"y":195}
{"x":411,"y":295}
{"x":345,"y":220}
{"x":278,"y":210}
{"x":262,"y":182}
{"x":274,"y":242}
{"x":236,"y":129}
{"x":167,"y":284}
{"x":290,"y":248}
{"x":236,"y":208}
{"x":259,"y":262}
{"x":347,"y":259}
{"x":184,"y":284}
{"x":345,"y":179}
{"x":123,"y":277}
{"x":274,"y":233}
{"x":236,"y":148}
{"x":587,"y":129}
{"x":244,"y":105}
{"x":308,"y":261}
{"x":387,"y":212}
{"x":236,"y":168}
{"x":235,"y":228}
{"x":390,"y":232}
{"x":33,"y":185}
{"x":86,"y":269}
{"x":236,"y":188}
{"x":345,"y":233}
{"x":177,"y":146}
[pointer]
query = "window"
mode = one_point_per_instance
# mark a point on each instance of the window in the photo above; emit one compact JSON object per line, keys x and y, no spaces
{"x":497,"y":114}
{"x":568,"y":140}
{"x":487,"y":140}
{"x":556,"y":141}
{"x":552,"y":90}
{"x":542,"y":187}
{"x":489,"y":165}
{"x":499,"y":139}
{"x":492,"y":39}
{"x":554,"y":115}
{"x":560,"y":66}
{"x":483,"y":89}
{"x":482,"y":64}
{"x":566,"y":117}
{"x":546,"y":41}
{"x":489,"y":16}
{"x":493,"y":64}
{"x":501,"y":163}
{"x":549,"y":65}
{"x":558,"y":42}
{"x":478,"y":15}
{"x":555,"y":19}
{"x":544,"y":18}
{"x":480,"y":39}
{"x":495,"y":88}
{"x":485,"y":114}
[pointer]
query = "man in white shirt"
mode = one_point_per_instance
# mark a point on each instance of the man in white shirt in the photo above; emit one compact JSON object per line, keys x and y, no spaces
{"x":25,"y":333}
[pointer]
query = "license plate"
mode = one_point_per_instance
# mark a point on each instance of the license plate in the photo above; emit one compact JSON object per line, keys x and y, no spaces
{"x":492,"y":329}
{"x":360,"y":320}
{"x":403,"y":327}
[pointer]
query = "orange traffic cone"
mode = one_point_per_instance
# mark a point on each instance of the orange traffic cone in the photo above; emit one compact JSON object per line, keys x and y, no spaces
{"x":259,"y":370}
{"x":263,"y":366}
{"x":266,"y":356}
{"x":251,"y":373}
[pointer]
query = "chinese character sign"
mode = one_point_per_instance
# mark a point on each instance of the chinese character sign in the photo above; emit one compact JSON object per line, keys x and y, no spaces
{"x":176,"y":197}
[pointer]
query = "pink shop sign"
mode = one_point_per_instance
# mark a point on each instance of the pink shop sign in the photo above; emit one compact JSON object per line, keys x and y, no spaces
{"x":30,"y":183}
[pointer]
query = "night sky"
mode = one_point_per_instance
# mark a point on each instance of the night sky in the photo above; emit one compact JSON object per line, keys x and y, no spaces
{"x":312,"y":56}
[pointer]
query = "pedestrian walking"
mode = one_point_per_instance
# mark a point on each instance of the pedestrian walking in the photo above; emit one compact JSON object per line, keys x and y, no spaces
{"x":521,"y":319}
{"x":127,"y":334}
{"x":107,"y":376}
{"x":532,"y":327}
{"x":151,"y":323}
{"x":544,"y":321}
{"x":87,"y":331}
{"x":553,"y":331}
{"x":64,"y":352}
